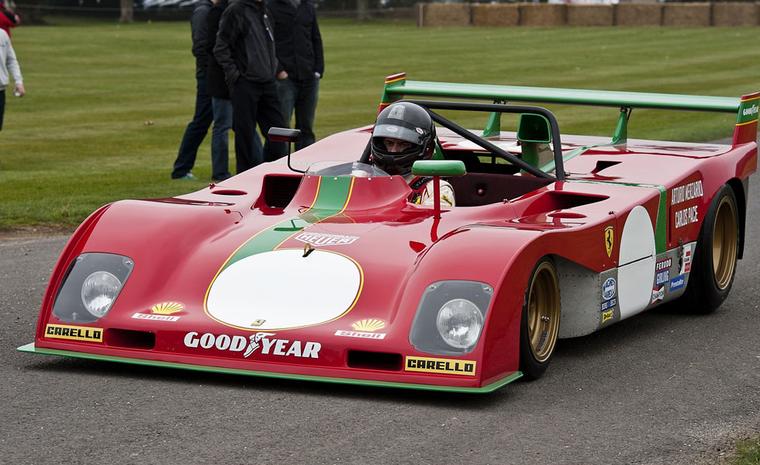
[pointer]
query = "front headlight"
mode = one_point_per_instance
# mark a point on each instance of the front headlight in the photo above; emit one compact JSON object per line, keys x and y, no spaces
{"x":91,"y":286}
{"x":450,"y":317}
{"x":459,"y":323}
{"x":99,"y":291}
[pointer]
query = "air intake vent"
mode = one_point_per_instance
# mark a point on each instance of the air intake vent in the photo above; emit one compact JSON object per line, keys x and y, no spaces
{"x":374,"y":360}
{"x":129,"y":339}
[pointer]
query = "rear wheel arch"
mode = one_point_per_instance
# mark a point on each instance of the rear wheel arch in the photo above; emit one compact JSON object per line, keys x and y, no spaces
{"x":740,"y":192}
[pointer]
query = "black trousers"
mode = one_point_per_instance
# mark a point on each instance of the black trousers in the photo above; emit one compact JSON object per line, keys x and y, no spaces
{"x":255,"y":102}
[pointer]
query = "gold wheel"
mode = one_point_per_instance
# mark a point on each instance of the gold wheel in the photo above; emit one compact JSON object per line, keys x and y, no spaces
{"x":725,"y":243}
{"x":543,"y":311}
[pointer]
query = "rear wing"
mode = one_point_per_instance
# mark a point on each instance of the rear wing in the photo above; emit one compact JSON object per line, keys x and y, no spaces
{"x":745,"y":107}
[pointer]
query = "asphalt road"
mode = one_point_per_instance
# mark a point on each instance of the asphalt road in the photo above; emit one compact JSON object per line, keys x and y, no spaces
{"x":660,"y":388}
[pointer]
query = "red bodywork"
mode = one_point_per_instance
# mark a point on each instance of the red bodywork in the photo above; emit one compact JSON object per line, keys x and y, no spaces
{"x":179,"y":245}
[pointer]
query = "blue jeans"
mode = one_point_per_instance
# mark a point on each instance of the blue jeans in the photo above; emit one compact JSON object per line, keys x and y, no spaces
{"x":220,"y":142}
{"x":300,"y":96}
{"x":196,"y":130}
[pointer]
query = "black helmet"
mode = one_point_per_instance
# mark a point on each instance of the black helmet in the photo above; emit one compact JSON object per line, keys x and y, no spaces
{"x":407,"y":122}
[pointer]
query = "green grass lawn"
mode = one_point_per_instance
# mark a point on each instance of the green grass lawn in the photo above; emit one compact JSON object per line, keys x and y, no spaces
{"x":107,"y":103}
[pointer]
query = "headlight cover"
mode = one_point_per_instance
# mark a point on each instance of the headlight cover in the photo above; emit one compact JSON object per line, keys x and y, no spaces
{"x":459,"y":323}
{"x":91,"y":286}
{"x":450,"y":317}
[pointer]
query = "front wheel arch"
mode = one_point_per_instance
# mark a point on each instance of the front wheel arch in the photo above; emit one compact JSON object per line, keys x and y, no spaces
{"x":540,"y":319}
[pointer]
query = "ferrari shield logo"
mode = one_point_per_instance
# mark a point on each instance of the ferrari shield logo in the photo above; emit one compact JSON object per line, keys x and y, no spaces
{"x":609,"y":239}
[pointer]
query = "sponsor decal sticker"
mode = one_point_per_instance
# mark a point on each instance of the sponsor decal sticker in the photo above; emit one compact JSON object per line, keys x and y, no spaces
{"x":662,"y":277}
{"x":161,"y":312}
{"x":687,"y":216}
{"x":359,"y":334}
{"x":607,"y":316}
{"x":74,"y":333}
{"x":370,"y":324}
{"x":322,"y":239}
{"x":658,"y":294}
{"x":686,"y":256}
{"x":608,"y":304}
{"x":364,"y":329}
{"x":663,"y":264}
{"x":261,"y":342}
{"x":690,"y":191}
{"x":440,"y":365}
{"x":609,"y":240}
{"x":677,"y":282}
{"x":609,"y":288}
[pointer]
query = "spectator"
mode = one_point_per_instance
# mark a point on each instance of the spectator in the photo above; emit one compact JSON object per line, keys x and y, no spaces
{"x":204,"y":114}
{"x":8,"y":66}
{"x":220,"y":99}
{"x":299,"y":50}
{"x":8,"y":18}
{"x":245,"y":50}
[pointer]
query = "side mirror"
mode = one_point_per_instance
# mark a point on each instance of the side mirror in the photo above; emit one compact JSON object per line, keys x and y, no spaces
{"x":436,"y":169}
{"x":286,"y":135}
{"x":534,"y":128}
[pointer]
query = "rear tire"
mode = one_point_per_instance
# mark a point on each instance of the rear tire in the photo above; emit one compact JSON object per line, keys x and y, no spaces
{"x":714,"y":266}
{"x":540,"y":320}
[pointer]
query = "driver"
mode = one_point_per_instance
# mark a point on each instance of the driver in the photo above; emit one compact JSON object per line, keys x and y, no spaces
{"x":403,"y":134}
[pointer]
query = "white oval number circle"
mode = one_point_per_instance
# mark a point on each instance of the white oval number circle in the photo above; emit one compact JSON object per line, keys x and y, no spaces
{"x":282,"y":289}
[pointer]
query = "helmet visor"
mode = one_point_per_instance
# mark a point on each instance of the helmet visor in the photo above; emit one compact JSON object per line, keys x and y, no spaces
{"x":394,"y":131}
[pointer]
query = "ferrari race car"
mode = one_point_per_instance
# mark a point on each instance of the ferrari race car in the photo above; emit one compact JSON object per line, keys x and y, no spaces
{"x":327,"y":271}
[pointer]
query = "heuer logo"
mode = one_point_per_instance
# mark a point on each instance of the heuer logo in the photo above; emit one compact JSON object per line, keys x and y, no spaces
{"x":321,"y":239}
{"x":74,"y":333}
{"x":658,"y":294}
{"x":609,"y":288}
{"x":261,"y":342}
{"x":440,"y":365}
{"x":161,"y":312}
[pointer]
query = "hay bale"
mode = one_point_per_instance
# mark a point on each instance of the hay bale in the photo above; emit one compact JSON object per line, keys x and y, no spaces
{"x":590,"y":15}
{"x":687,"y":14}
{"x":638,"y":14}
{"x":735,"y":14}
{"x":495,"y":14}
{"x":543,"y":14}
{"x":446,"y":14}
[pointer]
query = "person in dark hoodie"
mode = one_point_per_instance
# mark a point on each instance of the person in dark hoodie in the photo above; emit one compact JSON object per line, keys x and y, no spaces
{"x":245,"y":50}
{"x":299,"y":50}
{"x":196,"y":130}
{"x":220,"y":98}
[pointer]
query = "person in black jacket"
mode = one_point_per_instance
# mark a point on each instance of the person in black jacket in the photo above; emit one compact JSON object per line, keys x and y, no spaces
{"x":245,"y":50}
{"x":299,"y":50}
{"x":220,"y":99}
{"x":197,"y":128}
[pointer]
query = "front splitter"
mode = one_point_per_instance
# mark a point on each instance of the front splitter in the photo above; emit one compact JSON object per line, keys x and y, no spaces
{"x":322,"y":379}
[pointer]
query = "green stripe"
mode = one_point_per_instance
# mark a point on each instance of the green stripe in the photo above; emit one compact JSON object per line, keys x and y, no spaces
{"x":661,"y":233}
{"x":330,"y":200}
{"x":234,"y":371}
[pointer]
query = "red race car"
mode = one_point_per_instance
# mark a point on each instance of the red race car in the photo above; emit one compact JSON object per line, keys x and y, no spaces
{"x":332,"y":274}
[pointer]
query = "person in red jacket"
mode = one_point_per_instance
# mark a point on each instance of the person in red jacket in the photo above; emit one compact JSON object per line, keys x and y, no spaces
{"x":8,"y":18}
